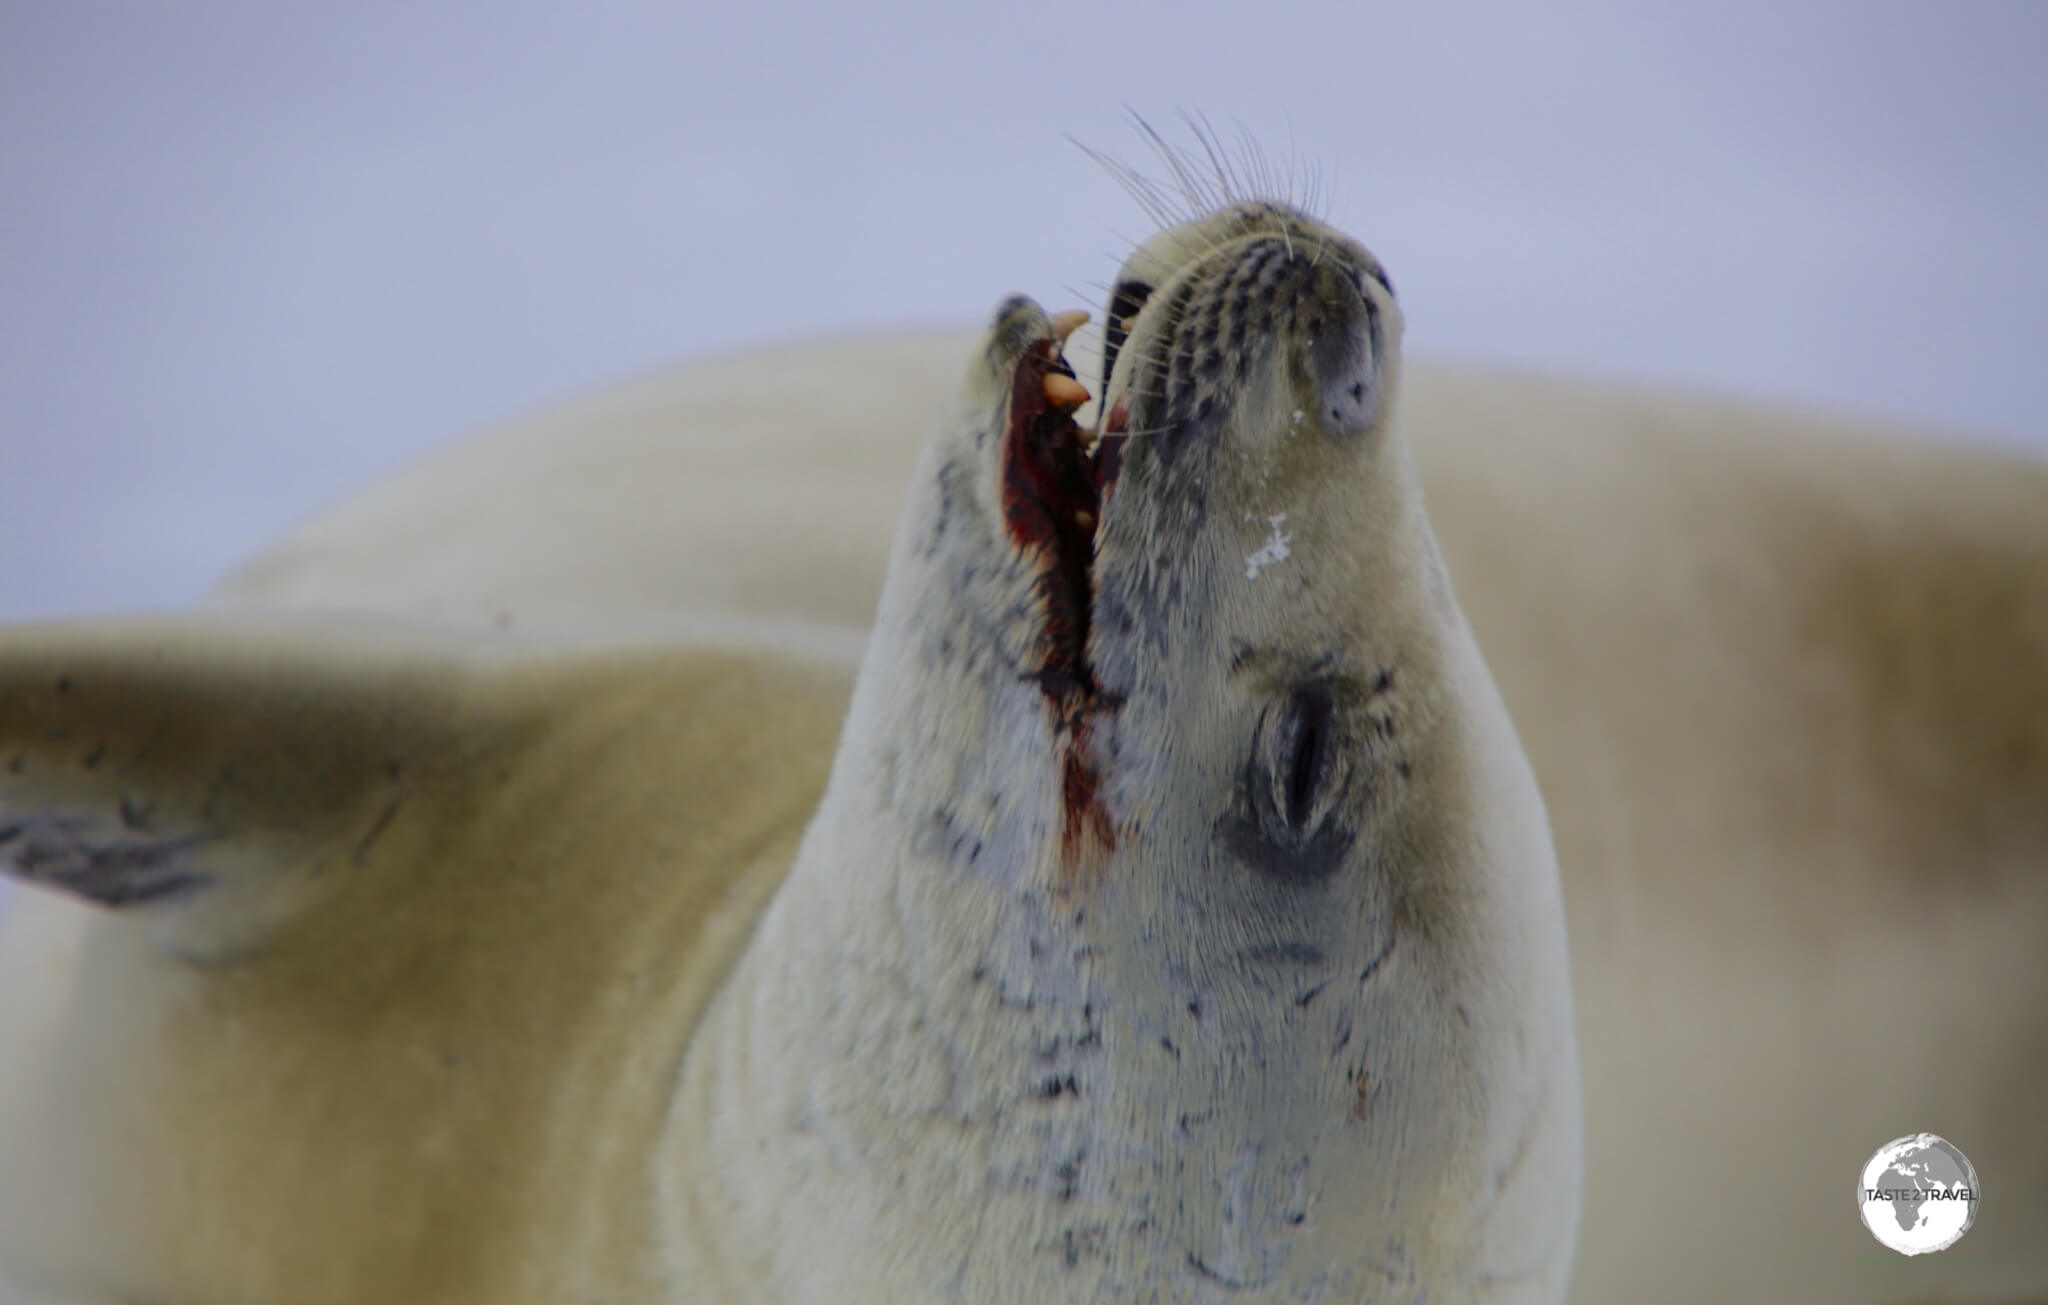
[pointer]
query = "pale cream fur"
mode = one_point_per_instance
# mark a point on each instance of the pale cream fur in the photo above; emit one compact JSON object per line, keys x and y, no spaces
{"x":889,"y":1035}
{"x":1784,"y":685}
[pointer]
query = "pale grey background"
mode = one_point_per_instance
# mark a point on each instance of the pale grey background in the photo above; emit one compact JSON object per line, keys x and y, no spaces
{"x":253,"y":255}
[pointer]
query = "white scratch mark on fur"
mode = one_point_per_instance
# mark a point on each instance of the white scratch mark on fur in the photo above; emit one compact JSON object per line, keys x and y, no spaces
{"x":1275,"y":549}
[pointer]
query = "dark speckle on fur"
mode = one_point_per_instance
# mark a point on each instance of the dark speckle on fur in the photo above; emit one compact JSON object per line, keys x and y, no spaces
{"x":1052,"y":1088}
{"x":1287,"y":953}
{"x":66,"y":853}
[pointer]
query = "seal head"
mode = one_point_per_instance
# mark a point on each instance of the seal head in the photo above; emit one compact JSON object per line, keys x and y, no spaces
{"x":1181,"y":920}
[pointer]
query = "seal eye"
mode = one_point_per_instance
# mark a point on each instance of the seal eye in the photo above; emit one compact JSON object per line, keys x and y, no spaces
{"x":1124,"y":305}
{"x":1299,"y":757}
{"x":1289,"y":824}
{"x":1310,"y":764}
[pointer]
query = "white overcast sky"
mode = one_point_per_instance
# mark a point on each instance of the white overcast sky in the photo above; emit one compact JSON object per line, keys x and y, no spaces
{"x":253,"y":255}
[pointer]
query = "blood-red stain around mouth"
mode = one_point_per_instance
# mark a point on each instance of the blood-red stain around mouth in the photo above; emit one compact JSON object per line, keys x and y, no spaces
{"x":1053,"y":490}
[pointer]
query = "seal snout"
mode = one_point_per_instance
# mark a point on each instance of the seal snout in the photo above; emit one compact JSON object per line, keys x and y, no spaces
{"x":1202,"y":312}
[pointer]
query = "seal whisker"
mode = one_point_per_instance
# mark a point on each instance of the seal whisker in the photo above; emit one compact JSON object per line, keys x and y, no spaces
{"x":1127,"y":180}
{"x":1198,"y":194}
{"x":1145,"y":432}
{"x":1205,"y":136}
{"x":1262,"y":172}
{"x":1139,"y":187}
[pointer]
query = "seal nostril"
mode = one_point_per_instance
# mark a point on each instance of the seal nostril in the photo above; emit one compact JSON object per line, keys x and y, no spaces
{"x":1345,"y":362}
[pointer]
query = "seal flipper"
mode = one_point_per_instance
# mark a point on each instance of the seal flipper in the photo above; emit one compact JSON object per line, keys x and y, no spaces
{"x":218,"y":775}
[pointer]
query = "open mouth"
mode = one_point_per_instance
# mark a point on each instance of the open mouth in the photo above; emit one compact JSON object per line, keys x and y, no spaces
{"x":1056,"y":475}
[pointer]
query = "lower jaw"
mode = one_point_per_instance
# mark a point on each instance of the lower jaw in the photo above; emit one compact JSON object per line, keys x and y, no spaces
{"x":1056,"y":476}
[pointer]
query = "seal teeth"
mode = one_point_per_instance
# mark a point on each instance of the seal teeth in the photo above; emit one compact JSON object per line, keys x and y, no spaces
{"x":1065,"y":324}
{"x":1064,"y":391}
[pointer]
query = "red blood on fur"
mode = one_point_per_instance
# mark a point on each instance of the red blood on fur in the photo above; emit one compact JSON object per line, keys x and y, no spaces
{"x":1049,"y":480}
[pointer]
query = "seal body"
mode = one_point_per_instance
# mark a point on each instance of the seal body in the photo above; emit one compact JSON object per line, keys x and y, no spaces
{"x":1183,"y":930}
{"x":488,"y":975}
